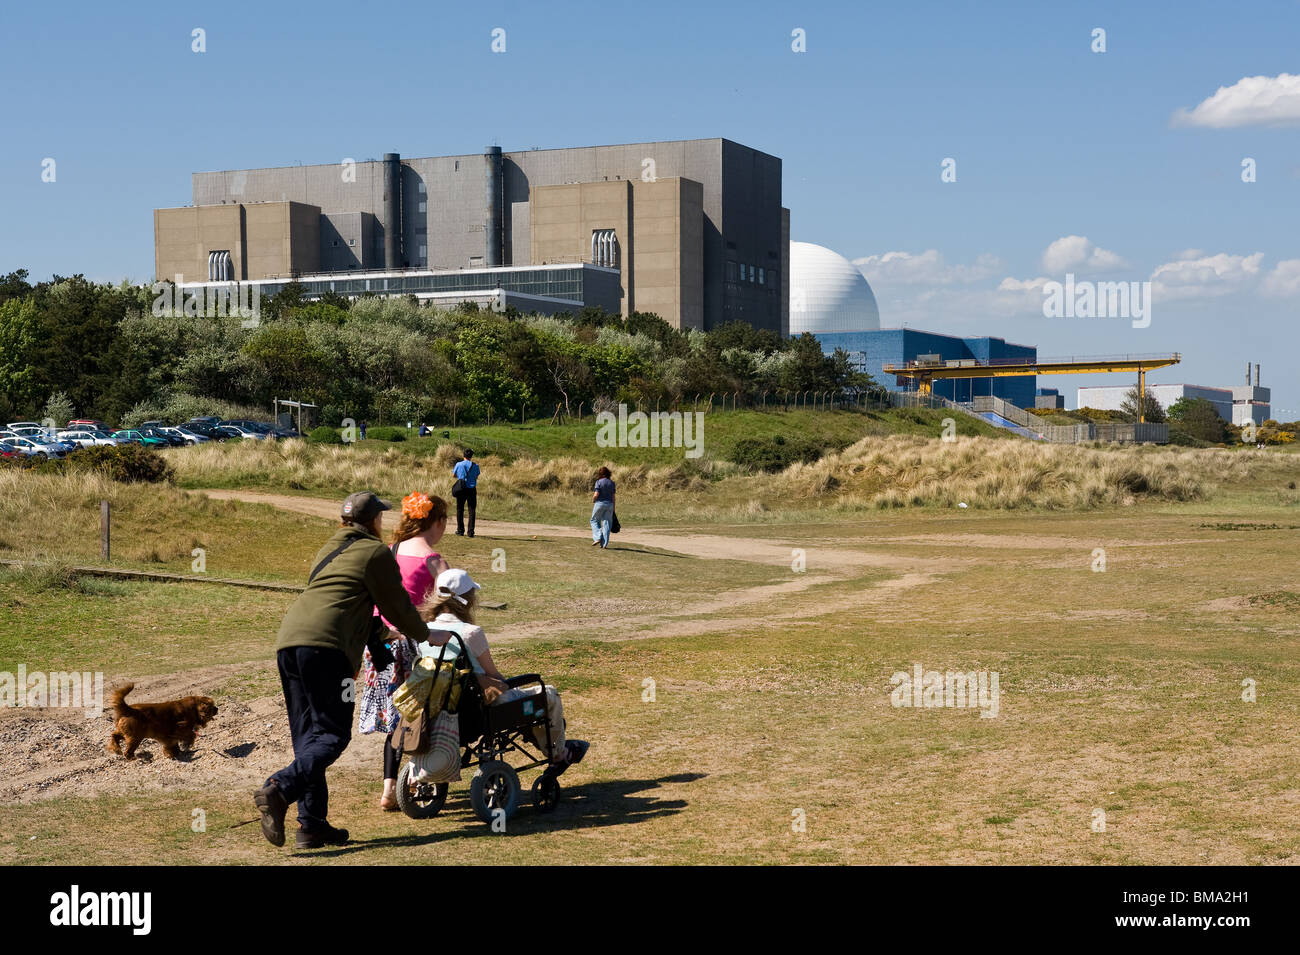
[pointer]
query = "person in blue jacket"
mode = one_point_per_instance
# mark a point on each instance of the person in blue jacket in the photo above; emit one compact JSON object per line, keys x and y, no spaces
{"x":466,"y":471}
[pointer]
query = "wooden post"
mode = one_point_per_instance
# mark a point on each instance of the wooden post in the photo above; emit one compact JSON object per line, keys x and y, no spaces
{"x":103,"y":529}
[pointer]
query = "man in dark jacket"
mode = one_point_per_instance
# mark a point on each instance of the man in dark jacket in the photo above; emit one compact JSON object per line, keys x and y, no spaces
{"x":319,"y":652}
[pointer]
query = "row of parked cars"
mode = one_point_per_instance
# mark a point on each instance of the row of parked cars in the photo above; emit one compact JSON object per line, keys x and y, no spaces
{"x":29,"y":439}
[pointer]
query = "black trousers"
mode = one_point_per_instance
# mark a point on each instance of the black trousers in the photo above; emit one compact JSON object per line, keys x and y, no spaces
{"x":392,"y":759}
{"x":320,"y":721}
{"x":468,"y":496}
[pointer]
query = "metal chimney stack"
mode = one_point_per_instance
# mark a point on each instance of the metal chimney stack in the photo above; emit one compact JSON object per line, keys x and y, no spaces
{"x":1257,"y":374}
{"x":493,"y":220}
{"x":392,"y":216}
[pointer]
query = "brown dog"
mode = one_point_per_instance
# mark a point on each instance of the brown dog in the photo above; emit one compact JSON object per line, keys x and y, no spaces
{"x":171,"y":723}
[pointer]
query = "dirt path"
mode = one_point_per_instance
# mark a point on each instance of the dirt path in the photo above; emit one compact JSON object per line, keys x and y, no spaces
{"x":704,"y":546}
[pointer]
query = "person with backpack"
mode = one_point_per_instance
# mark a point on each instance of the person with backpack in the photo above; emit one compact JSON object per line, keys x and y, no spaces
{"x":424,"y":521}
{"x":465,"y":491}
{"x":319,"y":652}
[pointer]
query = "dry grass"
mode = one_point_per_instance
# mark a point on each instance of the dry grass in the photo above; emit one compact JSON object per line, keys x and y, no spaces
{"x":874,"y":473}
{"x":901,"y":471}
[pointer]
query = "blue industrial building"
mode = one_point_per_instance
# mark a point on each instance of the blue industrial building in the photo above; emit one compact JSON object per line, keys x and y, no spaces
{"x":872,"y":350}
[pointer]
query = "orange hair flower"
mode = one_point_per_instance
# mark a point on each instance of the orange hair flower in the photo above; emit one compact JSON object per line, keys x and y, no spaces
{"x":416,"y":506}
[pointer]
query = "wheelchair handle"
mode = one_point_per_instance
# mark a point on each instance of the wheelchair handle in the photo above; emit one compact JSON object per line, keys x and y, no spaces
{"x":524,"y":678}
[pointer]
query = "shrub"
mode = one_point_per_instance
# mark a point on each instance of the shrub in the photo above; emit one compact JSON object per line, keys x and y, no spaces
{"x":774,"y":454}
{"x":386,"y":434}
{"x":324,"y":435}
{"x":124,"y":462}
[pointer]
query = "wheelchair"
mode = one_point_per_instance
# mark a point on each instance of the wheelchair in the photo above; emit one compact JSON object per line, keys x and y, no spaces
{"x":488,"y":734}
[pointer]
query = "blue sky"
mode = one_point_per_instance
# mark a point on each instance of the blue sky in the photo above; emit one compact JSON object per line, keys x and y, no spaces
{"x":1051,"y":140}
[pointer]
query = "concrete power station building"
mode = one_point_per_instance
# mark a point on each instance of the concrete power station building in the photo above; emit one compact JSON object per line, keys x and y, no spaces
{"x":693,"y":231}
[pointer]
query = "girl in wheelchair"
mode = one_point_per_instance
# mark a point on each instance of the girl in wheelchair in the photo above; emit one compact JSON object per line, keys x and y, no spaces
{"x":450,"y":607}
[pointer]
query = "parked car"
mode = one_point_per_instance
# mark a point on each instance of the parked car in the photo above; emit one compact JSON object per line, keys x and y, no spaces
{"x":204,"y":429}
{"x":14,"y":425}
{"x":44,"y":436}
{"x":172,"y":440}
{"x":88,"y":424}
{"x":210,"y":420}
{"x":186,"y":435}
{"x":135,"y":437}
{"x":248,"y":424}
{"x":34,"y":449}
{"x":32,"y":431}
{"x":87,"y":438}
{"x":240,"y":431}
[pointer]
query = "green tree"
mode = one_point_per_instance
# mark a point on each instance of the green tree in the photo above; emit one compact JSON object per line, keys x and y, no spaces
{"x":1153,"y":411}
{"x":19,"y":345}
{"x":59,"y":409}
{"x":1198,"y":418}
{"x":14,"y":285}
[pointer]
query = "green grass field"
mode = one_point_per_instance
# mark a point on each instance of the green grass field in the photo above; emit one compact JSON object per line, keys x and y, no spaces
{"x":770,"y":645}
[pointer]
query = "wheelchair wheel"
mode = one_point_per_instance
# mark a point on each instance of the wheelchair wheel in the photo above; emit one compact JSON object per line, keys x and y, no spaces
{"x":419,"y":800}
{"x":546,"y":793}
{"x":495,"y":786}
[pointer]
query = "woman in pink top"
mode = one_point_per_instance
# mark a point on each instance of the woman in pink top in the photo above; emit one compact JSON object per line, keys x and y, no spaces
{"x":424,"y":521}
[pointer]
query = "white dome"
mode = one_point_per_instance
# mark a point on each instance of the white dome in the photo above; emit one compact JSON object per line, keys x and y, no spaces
{"x":828,"y":293}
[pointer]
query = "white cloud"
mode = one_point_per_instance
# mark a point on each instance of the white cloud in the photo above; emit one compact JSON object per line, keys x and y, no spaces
{"x":927,"y":268}
{"x":1220,"y":274}
{"x":1077,"y":252}
{"x":1283,"y":281}
{"x":1251,"y":101}
{"x":1022,"y":285}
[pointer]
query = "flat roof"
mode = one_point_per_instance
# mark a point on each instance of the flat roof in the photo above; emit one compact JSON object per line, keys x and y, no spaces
{"x":513,"y":152}
{"x":906,"y":328}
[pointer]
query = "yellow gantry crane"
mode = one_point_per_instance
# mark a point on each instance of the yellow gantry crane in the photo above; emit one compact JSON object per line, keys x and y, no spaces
{"x":925,"y":369}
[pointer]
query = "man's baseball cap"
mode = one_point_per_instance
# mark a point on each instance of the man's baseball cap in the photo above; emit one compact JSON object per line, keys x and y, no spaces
{"x":363,"y":507}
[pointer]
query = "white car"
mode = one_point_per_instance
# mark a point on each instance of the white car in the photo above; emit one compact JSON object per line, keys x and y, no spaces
{"x":87,"y":438}
{"x":189,"y":436}
{"x":34,"y":449}
{"x":248,"y":434}
{"x":42,"y":436}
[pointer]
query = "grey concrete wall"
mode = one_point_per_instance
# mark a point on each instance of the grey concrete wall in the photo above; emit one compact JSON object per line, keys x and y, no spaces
{"x":741,"y":198}
{"x":347,"y":241}
{"x":751,"y":226}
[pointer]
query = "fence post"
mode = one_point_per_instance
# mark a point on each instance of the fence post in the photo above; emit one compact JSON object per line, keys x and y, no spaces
{"x":104,"y":529}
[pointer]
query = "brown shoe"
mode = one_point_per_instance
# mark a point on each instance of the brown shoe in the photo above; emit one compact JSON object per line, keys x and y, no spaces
{"x":319,"y":838}
{"x":270,"y":802}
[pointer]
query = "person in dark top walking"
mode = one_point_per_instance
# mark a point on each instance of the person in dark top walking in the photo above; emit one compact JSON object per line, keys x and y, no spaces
{"x":602,"y":508}
{"x":318,"y":652}
{"x":466,"y":472}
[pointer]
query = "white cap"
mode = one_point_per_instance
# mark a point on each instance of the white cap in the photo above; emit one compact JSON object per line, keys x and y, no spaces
{"x":455,"y":583}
